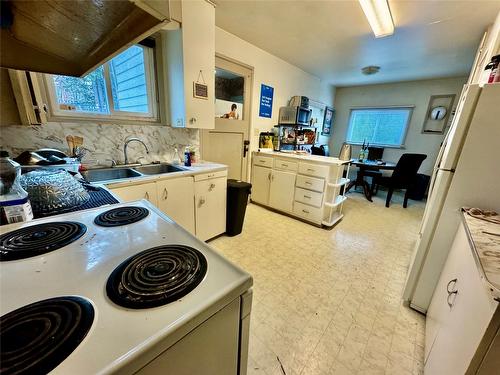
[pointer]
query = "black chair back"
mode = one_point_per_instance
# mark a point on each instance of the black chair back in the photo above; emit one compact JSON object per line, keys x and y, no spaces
{"x":406,"y":169}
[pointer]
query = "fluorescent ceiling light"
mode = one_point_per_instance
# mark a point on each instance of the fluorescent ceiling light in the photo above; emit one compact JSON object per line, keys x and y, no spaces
{"x":379,"y":17}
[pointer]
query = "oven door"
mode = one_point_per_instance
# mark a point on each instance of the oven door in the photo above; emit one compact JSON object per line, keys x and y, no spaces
{"x":303,"y":116}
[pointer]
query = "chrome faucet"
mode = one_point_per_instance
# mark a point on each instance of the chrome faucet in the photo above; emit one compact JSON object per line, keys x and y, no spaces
{"x":126,"y":145}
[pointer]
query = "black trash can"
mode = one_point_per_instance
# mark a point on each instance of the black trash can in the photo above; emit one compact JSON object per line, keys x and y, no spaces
{"x":237,"y":198}
{"x":418,"y":190}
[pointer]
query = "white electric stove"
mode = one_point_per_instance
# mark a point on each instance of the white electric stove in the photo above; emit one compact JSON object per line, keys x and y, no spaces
{"x":197,"y":324}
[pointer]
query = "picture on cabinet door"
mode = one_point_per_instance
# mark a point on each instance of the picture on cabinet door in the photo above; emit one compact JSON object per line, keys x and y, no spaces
{"x":229,"y":94}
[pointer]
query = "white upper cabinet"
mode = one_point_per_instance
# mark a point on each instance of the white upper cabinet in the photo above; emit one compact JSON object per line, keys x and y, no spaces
{"x":189,"y":55}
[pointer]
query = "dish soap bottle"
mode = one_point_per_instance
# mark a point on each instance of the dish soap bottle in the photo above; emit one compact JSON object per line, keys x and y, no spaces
{"x":14,"y":204}
{"x":187,"y":157}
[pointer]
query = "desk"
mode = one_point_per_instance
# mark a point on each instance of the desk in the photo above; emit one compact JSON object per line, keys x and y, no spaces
{"x":366,"y":165}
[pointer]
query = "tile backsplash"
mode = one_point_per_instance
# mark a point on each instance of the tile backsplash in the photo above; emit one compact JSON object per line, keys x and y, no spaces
{"x":104,"y":141}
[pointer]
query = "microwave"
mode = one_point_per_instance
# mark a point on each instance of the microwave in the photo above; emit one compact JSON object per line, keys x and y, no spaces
{"x":294,"y":116}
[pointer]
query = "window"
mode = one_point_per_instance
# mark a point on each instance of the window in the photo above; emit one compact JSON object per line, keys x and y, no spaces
{"x":379,"y":126}
{"x":124,"y":87}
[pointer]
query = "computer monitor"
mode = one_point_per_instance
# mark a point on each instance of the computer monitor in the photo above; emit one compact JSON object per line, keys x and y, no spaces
{"x":375,"y":153}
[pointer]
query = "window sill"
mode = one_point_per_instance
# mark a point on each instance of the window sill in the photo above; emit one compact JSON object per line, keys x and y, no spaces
{"x":402,"y":147}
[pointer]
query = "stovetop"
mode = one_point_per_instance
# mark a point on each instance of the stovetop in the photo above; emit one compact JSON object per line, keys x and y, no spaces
{"x":120,"y":335}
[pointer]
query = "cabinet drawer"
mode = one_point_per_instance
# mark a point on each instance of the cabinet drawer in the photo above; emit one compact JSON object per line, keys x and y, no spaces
{"x":263,"y":161}
{"x":286,"y":165}
{"x":307,"y":212}
{"x":313,"y":169}
{"x":206,"y":176}
{"x":309,"y":197}
{"x":310,"y":183}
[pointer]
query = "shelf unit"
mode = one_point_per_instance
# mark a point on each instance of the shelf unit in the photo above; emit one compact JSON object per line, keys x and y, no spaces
{"x":334,"y":200}
{"x":295,"y":145}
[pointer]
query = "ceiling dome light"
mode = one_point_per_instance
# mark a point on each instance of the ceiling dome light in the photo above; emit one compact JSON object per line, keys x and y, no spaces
{"x":379,"y":17}
{"x":370,"y":69}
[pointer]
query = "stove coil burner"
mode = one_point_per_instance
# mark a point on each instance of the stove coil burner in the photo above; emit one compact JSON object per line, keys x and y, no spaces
{"x":39,"y":239}
{"x":36,"y":338}
{"x":156,"y":276}
{"x":121,"y":216}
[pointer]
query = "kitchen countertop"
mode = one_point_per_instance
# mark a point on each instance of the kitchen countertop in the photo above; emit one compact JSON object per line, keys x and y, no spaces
{"x":486,"y":250}
{"x":305,"y":157}
{"x":198,"y":168}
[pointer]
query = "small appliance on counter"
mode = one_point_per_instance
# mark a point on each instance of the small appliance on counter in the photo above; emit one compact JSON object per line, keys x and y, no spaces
{"x":299,"y":101}
{"x":295,"y":116}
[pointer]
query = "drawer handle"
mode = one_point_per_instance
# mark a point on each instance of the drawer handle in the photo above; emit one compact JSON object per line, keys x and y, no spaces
{"x":284,"y":165}
{"x":305,"y":211}
{"x":307,"y":196}
{"x":454,"y":281}
{"x":451,"y":293}
{"x":310,"y":169}
{"x":308,"y":183}
{"x":165,"y":194}
{"x":262,"y":161}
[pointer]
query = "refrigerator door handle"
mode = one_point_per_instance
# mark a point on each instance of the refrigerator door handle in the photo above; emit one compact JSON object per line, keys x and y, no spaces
{"x":452,"y":170}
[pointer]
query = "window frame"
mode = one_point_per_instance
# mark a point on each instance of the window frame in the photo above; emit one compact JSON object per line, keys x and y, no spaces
{"x":410,"y":109}
{"x":152,"y":85}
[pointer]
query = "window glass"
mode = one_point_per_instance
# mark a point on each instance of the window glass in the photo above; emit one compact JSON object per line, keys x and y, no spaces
{"x":124,"y":86}
{"x":87,"y":94}
{"x":379,"y":126}
{"x":128,"y":81}
{"x":229,"y":92}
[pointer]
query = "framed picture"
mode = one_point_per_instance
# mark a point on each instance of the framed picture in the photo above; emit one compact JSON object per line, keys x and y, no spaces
{"x":438,"y":114}
{"x":328,"y":121}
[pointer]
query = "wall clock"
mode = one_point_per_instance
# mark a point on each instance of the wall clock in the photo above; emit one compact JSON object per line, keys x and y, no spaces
{"x":438,"y":114}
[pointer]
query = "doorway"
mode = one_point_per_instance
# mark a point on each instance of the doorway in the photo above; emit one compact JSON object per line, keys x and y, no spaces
{"x":229,"y":142}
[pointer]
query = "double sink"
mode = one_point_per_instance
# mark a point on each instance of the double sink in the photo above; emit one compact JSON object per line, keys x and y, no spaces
{"x":117,"y":173}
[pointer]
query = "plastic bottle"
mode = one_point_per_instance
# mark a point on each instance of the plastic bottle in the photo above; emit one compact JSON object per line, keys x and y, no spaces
{"x":14,"y":203}
{"x":187,"y":157}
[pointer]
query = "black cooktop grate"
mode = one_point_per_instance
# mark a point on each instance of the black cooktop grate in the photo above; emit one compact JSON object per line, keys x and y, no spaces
{"x":39,"y":239}
{"x":156,"y":276}
{"x":36,"y":338}
{"x":121,"y":216}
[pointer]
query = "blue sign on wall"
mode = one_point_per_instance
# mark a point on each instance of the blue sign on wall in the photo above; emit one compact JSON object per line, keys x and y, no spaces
{"x":266,"y":101}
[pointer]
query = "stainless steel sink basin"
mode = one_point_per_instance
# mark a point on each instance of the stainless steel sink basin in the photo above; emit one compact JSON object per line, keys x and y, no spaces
{"x":157,"y":169}
{"x":96,"y":175}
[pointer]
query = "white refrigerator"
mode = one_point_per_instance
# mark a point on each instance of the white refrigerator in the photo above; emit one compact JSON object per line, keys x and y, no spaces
{"x":466,"y":173}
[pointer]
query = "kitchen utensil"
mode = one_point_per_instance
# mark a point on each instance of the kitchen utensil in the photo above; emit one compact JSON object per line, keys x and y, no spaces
{"x":47,"y":152}
{"x":71,"y":143}
{"x":53,"y":191}
{"x":345,"y":152}
{"x":78,"y":141}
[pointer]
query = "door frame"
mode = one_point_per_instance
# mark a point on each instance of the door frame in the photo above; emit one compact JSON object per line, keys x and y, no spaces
{"x":204,"y":132}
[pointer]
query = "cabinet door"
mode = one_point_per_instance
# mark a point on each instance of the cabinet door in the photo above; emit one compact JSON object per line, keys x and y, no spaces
{"x":198,"y":40}
{"x":210,"y":207}
{"x":176,"y":199}
{"x":282,"y":190}
{"x":465,"y":314}
{"x":261,"y":179}
{"x":136,"y":192}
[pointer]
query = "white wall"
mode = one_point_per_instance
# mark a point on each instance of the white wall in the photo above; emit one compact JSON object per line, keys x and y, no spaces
{"x":286,"y":79}
{"x":416,"y":93}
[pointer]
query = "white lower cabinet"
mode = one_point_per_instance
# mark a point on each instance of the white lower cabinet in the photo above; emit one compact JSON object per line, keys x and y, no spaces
{"x":459,"y":314}
{"x":282,"y":190}
{"x":176,"y":199}
{"x":197,"y":203}
{"x":135,"y":192}
{"x":261,"y":179}
{"x":300,"y":186}
{"x":210,"y":207}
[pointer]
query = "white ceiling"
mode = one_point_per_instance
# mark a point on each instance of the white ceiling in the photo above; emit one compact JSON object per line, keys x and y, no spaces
{"x":333,"y":40}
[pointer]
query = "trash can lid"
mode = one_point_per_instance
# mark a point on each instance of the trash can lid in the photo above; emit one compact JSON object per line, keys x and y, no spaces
{"x":238,"y":184}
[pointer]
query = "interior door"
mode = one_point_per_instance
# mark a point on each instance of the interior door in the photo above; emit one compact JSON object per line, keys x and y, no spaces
{"x":229,"y":142}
